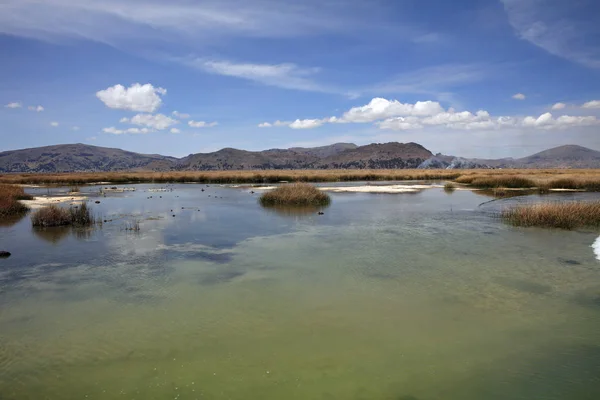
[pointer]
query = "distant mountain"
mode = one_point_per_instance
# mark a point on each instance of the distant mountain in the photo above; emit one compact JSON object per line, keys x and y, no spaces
{"x":570,"y":156}
{"x":81,"y":158}
{"x":325,"y":151}
{"x":340,"y":155}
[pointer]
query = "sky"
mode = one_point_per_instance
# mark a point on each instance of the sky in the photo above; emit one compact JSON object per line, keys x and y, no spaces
{"x":471,"y":78}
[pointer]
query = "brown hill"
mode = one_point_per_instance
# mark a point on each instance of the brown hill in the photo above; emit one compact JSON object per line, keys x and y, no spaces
{"x":80,"y":157}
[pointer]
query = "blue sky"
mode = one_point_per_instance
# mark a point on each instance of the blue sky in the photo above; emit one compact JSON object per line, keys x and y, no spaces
{"x":475,"y":78}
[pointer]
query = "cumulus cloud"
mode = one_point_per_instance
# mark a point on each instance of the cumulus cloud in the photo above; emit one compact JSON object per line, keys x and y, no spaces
{"x":519,"y":96}
{"x":306,"y":123}
{"x":175,"y":130}
{"x":144,"y":98}
{"x":592,"y":104}
{"x":380,"y":108}
{"x":265,"y":125}
{"x":14,"y":104}
{"x":559,"y":106}
{"x":202,"y":124}
{"x":36,"y":108}
{"x":54,"y":124}
{"x":155,"y":121}
{"x":114,"y":131}
{"x":179,"y":115}
{"x":394,"y":115}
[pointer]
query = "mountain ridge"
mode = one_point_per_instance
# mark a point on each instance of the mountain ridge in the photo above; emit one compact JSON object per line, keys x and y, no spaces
{"x":80,"y":157}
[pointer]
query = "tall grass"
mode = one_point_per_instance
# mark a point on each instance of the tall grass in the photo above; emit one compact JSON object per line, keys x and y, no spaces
{"x":295,"y":194}
{"x":54,"y":215}
{"x":563,"y":215}
{"x":10,"y":206}
{"x":265,"y":176}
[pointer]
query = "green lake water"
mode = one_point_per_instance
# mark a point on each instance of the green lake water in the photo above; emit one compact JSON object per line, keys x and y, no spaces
{"x":416,"y":296}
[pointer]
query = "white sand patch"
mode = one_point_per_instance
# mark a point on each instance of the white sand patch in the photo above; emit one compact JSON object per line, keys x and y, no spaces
{"x":263,"y":187}
{"x":39,"y":202}
{"x":596,"y":247}
{"x":390,"y":189}
{"x":567,"y":190}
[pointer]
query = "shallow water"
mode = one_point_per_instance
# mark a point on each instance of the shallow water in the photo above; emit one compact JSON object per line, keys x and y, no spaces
{"x":413,"y":296}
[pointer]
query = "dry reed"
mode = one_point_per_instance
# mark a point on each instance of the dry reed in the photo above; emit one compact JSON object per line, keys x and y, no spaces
{"x":10,"y":205}
{"x":563,"y":215}
{"x":54,"y":215}
{"x":295,"y":194}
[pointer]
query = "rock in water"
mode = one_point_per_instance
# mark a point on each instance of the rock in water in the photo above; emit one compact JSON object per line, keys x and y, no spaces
{"x":4,"y":254}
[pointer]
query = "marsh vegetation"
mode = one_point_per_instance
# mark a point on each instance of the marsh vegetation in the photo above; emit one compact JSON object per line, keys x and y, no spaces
{"x":295,"y":194}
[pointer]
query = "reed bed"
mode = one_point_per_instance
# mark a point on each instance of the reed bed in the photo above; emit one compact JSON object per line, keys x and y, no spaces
{"x":10,"y":206}
{"x":295,"y":194}
{"x":54,"y":215}
{"x":543,"y":179}
{"x":562,"y":215}
{"x":223,"y":177}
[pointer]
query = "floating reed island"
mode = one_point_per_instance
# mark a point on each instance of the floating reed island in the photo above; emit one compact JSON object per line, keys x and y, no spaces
{"x":562,"y":215}
{"x":295,"y":194}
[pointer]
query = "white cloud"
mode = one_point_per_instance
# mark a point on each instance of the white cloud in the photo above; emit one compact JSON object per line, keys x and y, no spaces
{"x":559,"y":106}
{"x":306,"y":123}
{"x":287,"y":76}
{"x":36,"y":108}
{"x":519,"y":96}
{"x":393,"y":115}
{"x":54,"y":124}
{"x":137,"y":97}
{"x":175,"y":130}
{"x":380,"y":108}
{"x":592,"y":104}
{"x":179,"y":115}
{"x":115,"y":131}
{"x":154,"y":121}
{"x":15,"y":104}
{"x":202,"y":124}
{"x":560,"y":28}
{"x":75,"y":128}
{"x":265,"y":125}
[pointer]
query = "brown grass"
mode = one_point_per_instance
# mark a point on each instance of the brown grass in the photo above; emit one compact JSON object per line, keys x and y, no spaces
{"x":9,"y":201}
{"x":564,"y":215}
{"x":54,"y":215}
{"x":270,"y":176}
{"x":295,"y":194}
{"x":543,"y":179}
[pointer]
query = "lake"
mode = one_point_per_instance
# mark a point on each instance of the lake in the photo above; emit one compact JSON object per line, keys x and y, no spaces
{"x":408,"y":296}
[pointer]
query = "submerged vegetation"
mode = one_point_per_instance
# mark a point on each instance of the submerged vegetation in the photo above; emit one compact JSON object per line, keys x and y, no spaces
{"x":54,"y":215}
{"x":10,"y":206}
{"x":563,"y":215}
{"x":295,"y":194}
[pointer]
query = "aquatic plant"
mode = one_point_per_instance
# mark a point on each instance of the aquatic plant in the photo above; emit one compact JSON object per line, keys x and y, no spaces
{"x":54,"y":215}
{"x":449,"y":187}
{"x":10,"y":206}
{"x":563,"y":215}
{"x":295,"y":194}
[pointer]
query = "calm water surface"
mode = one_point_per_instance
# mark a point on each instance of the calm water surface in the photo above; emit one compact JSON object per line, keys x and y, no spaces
{"x":421,"y":296}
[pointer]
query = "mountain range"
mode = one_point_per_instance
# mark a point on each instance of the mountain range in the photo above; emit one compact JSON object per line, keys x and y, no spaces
{"x":86,"y":158}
